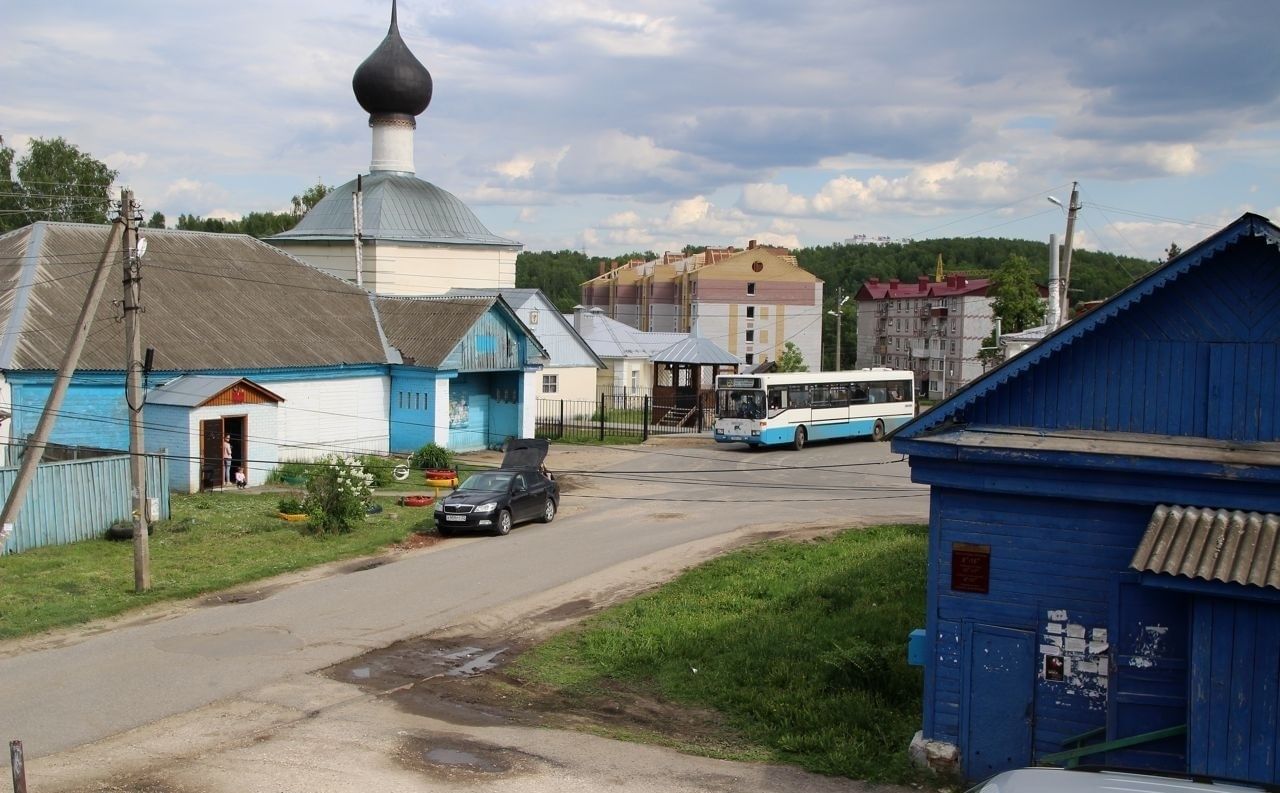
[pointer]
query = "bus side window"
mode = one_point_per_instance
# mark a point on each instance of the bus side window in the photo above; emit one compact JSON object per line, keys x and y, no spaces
{"x":859,"y":396}
{"x":777,"y":398}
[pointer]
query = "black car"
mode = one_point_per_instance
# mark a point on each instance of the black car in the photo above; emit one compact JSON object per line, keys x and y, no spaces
{"x":494,"y":501}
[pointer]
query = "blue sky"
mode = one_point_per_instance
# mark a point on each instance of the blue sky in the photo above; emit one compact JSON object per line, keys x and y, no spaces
{"x":651,"y":124}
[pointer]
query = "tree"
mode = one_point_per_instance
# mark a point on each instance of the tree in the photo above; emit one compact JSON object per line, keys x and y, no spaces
{"x":302,"y":204}
{"x":1017,"y":303}
{"x":156,"y":221}
{"x":55,"y":181}
{"x":791,"y":360}
{"x":1172,"y":252}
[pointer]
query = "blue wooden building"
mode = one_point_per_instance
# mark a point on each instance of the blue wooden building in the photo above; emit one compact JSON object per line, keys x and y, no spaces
{"x":1103,"y":551}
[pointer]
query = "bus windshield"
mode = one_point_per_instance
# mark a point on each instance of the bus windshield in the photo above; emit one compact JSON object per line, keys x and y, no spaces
{"x":740,"y":403}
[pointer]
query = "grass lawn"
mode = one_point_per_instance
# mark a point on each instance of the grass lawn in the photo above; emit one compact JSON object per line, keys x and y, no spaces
{"x":800,"y":646}
{"x":211,"y":541}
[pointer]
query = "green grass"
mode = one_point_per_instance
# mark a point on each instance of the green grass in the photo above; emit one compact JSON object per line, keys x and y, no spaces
{"x":800,"y":646}
{"x":211,"y":541}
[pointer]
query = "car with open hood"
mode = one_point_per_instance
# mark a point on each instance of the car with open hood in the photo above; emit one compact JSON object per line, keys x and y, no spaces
{"x":520,"y":490}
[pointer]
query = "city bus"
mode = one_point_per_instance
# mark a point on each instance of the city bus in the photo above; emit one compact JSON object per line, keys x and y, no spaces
{"x":797,"y":407}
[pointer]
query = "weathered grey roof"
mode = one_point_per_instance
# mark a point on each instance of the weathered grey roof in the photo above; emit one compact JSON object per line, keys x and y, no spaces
{"x":610,"y":338}
{"x":556,"y":334}
{"x":398,"y":207}
{"x":1211,"y":544}
{"x":195,"y":389}
{"x":696,"y":350}
{"x":425,"y":330}
{"x":211,"y":301}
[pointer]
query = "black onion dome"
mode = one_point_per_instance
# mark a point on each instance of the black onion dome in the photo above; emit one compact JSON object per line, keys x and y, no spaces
{"x":391,"y":81}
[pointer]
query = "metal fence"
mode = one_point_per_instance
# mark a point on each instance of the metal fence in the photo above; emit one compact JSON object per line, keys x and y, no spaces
{"x":79,"y":500}
{"x":618,"y":417}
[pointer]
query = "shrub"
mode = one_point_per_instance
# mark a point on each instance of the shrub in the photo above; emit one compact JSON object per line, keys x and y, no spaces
{"x":338,"y":493}
{"x":290,"y":506}
{"x":432,"y":456}
{"x":290,"y":472}
{"x":379,"y":467}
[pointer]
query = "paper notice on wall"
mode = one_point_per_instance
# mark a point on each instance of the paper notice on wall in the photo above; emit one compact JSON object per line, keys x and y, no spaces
{"x":1057,"y":615}
{"x":1098,"y":648}
{"x":1098,"y":634}
{"x":1054,"y":627}
{"x":1075,"y":645}
{"x":1087,"y":667}
{"x":1075,"y":631}
{"x":1050,"y":649}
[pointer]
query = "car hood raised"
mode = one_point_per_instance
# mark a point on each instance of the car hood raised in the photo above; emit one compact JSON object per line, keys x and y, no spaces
{"x":525,"y":453}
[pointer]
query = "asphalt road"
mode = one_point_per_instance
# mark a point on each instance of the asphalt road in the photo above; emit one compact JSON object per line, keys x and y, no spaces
{"x":627,"y":515}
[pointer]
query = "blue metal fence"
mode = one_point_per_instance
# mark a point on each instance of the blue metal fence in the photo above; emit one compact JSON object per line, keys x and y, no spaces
{"x":79,"y":499}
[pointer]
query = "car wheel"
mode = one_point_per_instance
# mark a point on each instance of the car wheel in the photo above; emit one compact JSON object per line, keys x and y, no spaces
{"x":504,"y":523}
{"x":801,"y":437}
{"x":548,"y":511}
{"x":877,"y":434}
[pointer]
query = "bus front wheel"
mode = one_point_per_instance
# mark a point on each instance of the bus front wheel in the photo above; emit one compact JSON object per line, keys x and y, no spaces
{"x":801,"y":437}
{"x":877,"y":433}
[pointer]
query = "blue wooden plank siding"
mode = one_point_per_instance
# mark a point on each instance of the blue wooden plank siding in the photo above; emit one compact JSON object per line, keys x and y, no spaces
{"x":412,"y":409}
{"x":469,"y":401}
{"x":1198,"y":358}
{"x":1236,"y":657}
{"x":1027,"y":536}
{"x":79,"y":500}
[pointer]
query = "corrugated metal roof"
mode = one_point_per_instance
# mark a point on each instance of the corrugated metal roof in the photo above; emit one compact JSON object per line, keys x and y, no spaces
{"x":696,"y":350}
{"x":1211,"y":544}
{"x":426,"y":329}
{"x":610,"y":338}
{"x":193,"y":390}
{"x":210,"y":301}
{"x":399,"y":207}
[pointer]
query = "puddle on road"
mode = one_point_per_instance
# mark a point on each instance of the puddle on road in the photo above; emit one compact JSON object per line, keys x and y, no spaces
{"x":455,"y":757}
{"x":415,"y":675}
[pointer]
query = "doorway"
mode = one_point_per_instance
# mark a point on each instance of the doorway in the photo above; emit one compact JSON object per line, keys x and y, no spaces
{"x":212,"y":472}
{"x":999,"y":692}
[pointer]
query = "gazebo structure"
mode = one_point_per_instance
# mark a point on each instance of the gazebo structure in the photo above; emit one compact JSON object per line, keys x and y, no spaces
{"x":684,"y":380}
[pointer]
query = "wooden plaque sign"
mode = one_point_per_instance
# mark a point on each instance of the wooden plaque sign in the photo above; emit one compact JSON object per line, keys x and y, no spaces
{"x":970,"y":568}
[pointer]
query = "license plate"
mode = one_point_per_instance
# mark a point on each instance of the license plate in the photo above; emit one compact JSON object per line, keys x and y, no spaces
{"x":458,"y":518}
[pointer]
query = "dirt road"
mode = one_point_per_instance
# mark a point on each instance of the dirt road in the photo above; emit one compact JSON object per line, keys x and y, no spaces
{"x":344,"y":709}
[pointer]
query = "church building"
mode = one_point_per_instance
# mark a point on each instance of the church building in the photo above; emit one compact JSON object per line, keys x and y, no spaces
{"x":413,"y":238}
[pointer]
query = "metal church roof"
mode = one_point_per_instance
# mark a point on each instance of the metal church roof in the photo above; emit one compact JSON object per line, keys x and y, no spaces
{"x":398,"y":207}
{"x":1212,"y":545}
{"x":211,"y":302}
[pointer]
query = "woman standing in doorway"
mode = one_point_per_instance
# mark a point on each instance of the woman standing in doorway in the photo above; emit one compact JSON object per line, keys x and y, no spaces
{"x":226,"y":459}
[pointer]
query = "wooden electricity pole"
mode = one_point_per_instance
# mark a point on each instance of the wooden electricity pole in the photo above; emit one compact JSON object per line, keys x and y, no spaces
{"x":1073,"y":207}
{"x":134,"y":394}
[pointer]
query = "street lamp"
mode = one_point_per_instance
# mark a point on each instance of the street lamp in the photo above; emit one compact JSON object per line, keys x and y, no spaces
{"x":1071,"y":208}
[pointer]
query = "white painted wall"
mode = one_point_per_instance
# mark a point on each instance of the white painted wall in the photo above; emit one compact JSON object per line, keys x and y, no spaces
{"x":440,"y":413}
{"x":401,"y":269}
{"x":572,"y":382}
{"x":333,"y":416}
{"x":528,"y":405}
{"x":177,"y":430}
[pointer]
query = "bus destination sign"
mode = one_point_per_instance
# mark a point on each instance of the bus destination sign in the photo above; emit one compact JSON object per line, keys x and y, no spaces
{"x":739,"y":382}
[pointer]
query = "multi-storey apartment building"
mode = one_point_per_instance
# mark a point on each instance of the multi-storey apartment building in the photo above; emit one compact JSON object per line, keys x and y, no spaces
{"x":936,"y":329}
{"x":750,"y":302}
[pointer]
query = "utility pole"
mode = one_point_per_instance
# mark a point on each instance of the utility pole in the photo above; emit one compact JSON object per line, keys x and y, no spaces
{"x":839,"y":316}
{"x":1072,"y":208}
{"x":44,"y":428}
{"x":134,"y":394}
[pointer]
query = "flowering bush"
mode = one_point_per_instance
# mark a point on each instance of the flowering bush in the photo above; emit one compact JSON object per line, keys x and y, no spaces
{"x":338,"y":494}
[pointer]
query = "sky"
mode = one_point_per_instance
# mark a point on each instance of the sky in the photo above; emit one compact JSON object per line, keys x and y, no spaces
{"x":611,"y":127}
